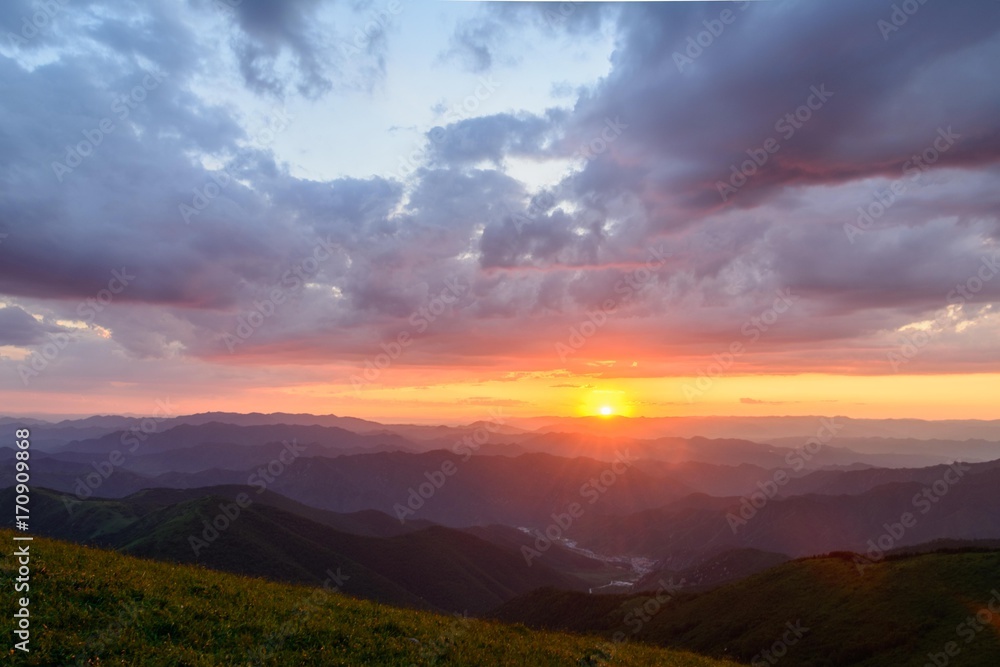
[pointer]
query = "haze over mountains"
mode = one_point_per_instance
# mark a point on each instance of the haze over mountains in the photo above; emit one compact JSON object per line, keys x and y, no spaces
{"x":480,"y":518}
{"x":491,"y":473}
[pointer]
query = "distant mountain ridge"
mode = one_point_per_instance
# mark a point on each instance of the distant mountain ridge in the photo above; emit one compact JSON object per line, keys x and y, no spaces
{"x":688,"y":531}
{"x":766,"y":429}
{"x":425,"y":567}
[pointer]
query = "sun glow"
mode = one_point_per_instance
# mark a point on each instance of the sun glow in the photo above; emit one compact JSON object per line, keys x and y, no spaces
{"x":604,"y":402}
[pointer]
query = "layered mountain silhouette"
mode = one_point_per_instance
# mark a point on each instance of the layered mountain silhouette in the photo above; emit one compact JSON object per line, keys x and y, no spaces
{"x":709,"y":540}
{"x":429,"y":567}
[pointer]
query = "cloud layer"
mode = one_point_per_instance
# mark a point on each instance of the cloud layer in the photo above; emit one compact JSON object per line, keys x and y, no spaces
{"x":839,"y":153}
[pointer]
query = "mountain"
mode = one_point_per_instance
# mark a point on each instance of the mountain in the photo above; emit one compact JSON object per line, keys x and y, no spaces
{"x":525,"y":490}
{"x":945,"y":546}
{"x":205,"y":465}
{"x":685,"y":532}
{"x":100,"y":607}
{"x":21,"y":422}
{"x":852,"y":482}
{"x":722,"y":568}
{"x":275,"y":418}
{"x":184,"y":436}
{"x":46,"y":437}
{"x":730,"y":441}
{"x":595,"y":571}
{"x":515,"y":491}
{"x":672,"y":450}
{"x":369,"y":522}
{"x":901,"y":612}
{"x":764,"y":429}
{"x":70,"y":473}
{"x":716,"y":451}
{"x":98,"y":421}
{"x":435,"y":567}
{"x":53,"y":435}
{"x":711,"y":479}
{"x":957,"y":449}
{"x":233,"y":456}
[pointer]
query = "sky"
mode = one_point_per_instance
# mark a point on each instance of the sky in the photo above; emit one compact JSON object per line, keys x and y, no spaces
{"x":425,"y":211}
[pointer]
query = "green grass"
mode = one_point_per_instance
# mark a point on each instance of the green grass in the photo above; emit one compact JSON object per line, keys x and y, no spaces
{"x":896,"y":614}
{"x":95,"y":607}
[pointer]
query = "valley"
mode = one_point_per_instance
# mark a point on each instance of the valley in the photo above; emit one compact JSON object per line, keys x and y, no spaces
{"x":552,"y":541}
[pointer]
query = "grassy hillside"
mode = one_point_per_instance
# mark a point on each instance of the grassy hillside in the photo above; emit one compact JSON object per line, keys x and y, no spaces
{"x":722,"y":568}
{"x":900,"y":611}
{"x":101,"y":607}
{"x":433,"y":568}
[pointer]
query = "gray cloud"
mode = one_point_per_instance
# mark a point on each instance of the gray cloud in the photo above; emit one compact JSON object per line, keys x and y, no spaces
{"x":492,"y":36}
{"x":17,"y":327}
{"x":533,"y":270}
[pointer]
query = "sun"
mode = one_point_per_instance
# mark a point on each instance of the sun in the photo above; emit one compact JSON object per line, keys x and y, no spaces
{"x":607,"y":403}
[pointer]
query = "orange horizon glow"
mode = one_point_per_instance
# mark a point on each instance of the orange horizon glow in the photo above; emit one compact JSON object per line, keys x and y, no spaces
{"x":420,"y":397}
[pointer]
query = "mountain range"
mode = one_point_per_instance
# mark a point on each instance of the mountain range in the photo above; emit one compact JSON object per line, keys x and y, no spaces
{"x":559,"y":524}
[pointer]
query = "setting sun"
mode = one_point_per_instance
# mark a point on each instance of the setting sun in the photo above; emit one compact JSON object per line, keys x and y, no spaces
{"x":605,"y":402}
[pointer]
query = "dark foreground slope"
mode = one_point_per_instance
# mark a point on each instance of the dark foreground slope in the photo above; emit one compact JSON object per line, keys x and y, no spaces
{"x":431,"y":568}
{"x":96,"y":607}
{"x":899,"y":612}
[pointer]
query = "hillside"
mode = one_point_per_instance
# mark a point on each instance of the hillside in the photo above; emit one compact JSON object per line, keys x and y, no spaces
{"x":102,"y":607}
{"x":433,"y":568}
{"x":719,"y":569}
{"x":900,"y":611}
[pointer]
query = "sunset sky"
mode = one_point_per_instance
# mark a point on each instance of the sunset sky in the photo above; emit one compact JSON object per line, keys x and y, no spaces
{"x":420,"y":211}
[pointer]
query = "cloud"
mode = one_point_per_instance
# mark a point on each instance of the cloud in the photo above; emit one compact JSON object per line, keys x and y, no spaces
{"x":500,"y":32}
{"x":537,"y":256}
{"x":474,"y":44}
{"x":268,"y":29}
{"x":491,"y":401}
{"x":690,"y":123}
{"x":17,"y":327}
{"x":493,"y":138}
{"x":754,"y":401}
